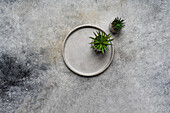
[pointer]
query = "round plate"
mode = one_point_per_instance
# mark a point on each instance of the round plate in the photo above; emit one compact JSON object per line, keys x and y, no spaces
{"x":78,"y":55}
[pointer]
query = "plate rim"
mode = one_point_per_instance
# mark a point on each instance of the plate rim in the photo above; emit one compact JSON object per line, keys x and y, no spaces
{"x":82,"y":73}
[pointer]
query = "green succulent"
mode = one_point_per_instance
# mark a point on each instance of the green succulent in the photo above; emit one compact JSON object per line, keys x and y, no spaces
{"x":118,"y":24}
{"x":101,"y":41}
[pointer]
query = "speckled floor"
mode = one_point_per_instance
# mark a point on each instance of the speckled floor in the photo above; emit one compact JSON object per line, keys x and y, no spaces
{"x":34,"y":79}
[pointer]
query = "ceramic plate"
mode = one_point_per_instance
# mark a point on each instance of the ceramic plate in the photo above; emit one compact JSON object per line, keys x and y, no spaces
{"x":78,"y":55}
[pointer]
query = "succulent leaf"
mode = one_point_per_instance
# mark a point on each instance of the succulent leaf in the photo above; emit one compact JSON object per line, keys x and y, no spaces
{"x":100,"y":41}
{"x":118,"y":23}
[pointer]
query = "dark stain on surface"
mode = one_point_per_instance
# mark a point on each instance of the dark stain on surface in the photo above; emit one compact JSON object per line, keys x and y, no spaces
{"x":9,"y":1}
{"x":166,"y":88}
{"x":15,"y":74}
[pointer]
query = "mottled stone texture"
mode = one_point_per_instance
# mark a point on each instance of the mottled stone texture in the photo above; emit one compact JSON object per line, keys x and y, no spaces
{"x":34,"y":79}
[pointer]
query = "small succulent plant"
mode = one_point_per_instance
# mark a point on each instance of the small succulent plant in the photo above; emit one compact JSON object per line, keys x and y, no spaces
{"x":118,"y":24}
{"x":101,"y":41}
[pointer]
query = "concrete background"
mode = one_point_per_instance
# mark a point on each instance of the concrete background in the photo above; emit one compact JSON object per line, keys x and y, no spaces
{"x":34,"y":79}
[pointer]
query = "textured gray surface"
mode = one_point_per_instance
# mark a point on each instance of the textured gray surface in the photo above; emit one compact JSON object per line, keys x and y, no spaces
{"x":34,"y":79}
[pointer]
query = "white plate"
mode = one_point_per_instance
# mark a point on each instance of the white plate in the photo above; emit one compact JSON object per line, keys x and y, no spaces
{"x":78,"y":55}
